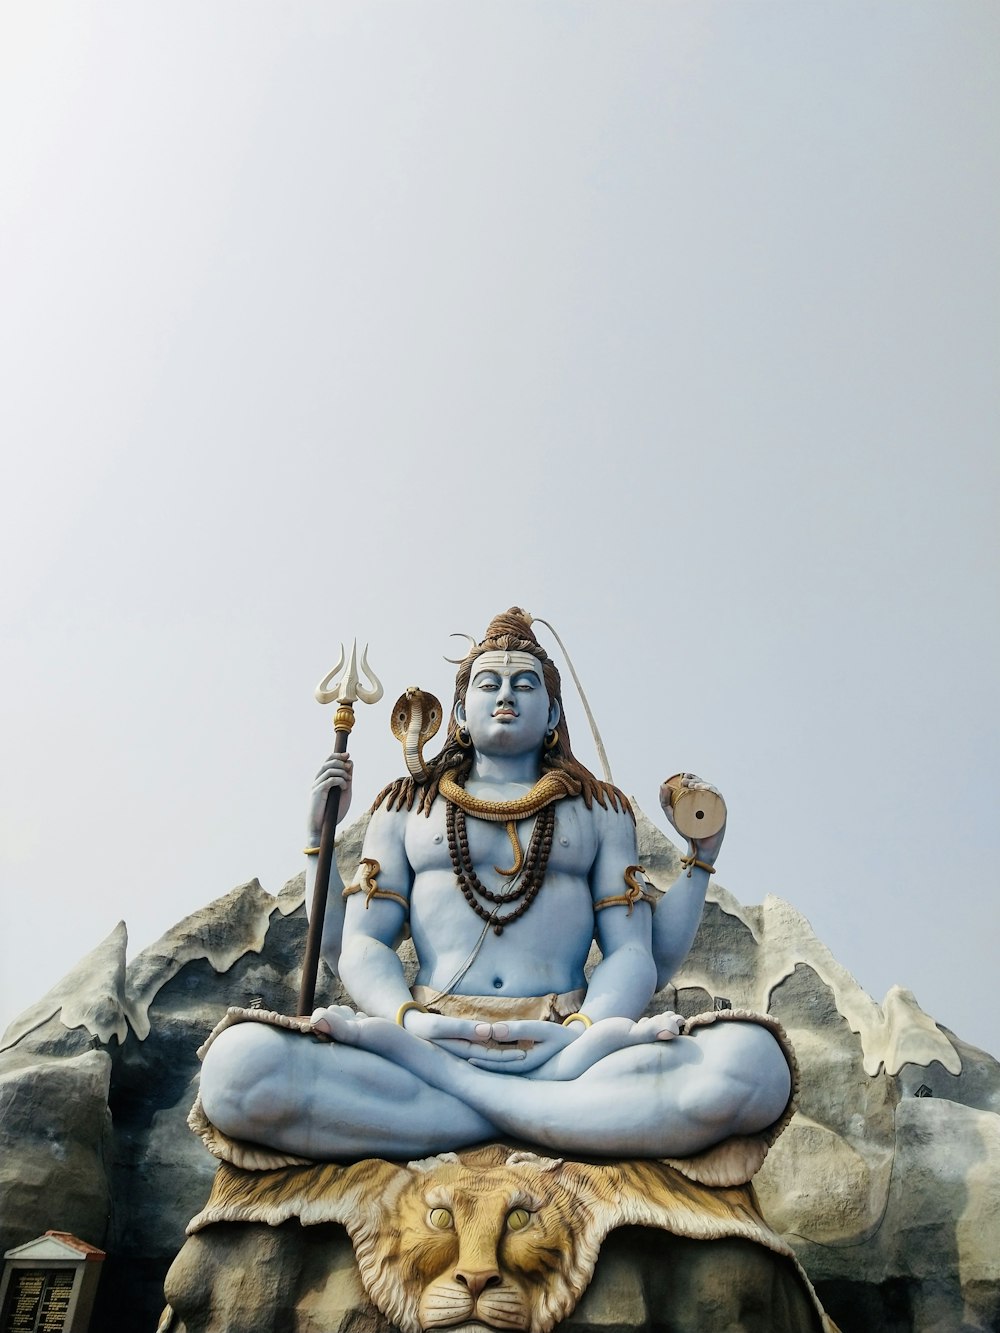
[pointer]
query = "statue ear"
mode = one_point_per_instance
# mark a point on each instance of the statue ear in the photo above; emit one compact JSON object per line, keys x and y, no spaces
{"x":460,"y":712}
{"x":555,"y":713}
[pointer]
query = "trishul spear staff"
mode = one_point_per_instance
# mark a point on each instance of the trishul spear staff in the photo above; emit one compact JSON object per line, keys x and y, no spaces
{"x":347,"y":691}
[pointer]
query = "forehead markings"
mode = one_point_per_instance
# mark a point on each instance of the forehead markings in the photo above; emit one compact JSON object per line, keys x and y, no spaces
{"x":495,"y":658}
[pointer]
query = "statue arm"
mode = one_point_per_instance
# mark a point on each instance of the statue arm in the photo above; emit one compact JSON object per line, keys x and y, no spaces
{"x":679,"y":911}
{"x":370,"y":968}
{"x":676,"y":921}
{"x":337,"y":772}
{"x":625,"y":979}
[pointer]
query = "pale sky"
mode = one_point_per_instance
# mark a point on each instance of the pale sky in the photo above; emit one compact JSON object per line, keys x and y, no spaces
{"x":677,"y":324}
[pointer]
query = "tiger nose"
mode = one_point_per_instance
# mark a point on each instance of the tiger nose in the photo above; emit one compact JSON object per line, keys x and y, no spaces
{"x":477,"y":1280}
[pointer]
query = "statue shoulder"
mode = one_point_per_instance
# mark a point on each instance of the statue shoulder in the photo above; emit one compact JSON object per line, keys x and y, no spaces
{"x":610,"y":799}
{"x":398,"y":797}
{"x":384,"y":852}
{"x":614,"y":823}
{"x":614,"y":832}
{"x":389,"y":827}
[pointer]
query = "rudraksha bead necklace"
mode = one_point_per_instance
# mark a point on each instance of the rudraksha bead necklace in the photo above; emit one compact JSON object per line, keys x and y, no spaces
{"x":536,"y":863}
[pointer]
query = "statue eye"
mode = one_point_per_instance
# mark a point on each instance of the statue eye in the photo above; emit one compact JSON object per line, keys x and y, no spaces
{"x":440,"y":1218}
{"x":518,"y":1219}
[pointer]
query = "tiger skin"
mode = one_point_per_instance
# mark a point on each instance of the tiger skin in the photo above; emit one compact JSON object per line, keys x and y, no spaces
{"x":494,"y":1239}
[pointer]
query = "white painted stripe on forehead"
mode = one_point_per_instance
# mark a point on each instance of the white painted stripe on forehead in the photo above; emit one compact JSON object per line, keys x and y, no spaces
{"x":506,"y":663}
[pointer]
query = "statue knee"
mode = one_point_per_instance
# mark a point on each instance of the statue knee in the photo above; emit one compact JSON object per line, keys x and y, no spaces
{"x":771,"y":1077}
{"x":743,"y":1083}
{"x":244,"y":1077}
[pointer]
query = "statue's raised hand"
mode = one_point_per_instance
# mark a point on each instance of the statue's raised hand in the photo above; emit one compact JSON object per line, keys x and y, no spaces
{"x":705,"y":849}
{"x":337,"y":771}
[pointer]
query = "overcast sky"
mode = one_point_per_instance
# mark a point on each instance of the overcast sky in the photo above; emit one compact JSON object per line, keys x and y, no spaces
{"x":676,"y":324}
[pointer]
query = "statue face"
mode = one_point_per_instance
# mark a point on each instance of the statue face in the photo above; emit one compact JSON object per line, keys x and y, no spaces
{"x":506,"y":708}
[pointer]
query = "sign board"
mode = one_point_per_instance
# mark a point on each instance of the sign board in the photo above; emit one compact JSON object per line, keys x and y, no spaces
{"x":48,"y":1285}
{"x":38,"y":1300}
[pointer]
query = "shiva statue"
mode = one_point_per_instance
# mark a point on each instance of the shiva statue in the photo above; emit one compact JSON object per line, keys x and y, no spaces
{"x":505,"y":858}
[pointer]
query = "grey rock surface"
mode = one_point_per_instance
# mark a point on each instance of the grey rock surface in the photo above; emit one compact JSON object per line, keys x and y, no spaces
{"x":240,"y":1278}
{"x":91,"y":997}
{"x":56,"y":1132}
{"x":891,"y":1199}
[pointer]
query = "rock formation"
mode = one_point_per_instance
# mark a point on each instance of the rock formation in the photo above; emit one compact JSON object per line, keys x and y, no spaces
{"x":886,"y":1184}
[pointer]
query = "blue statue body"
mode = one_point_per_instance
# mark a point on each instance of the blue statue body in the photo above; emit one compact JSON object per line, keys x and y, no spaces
{"x":507,"y":858}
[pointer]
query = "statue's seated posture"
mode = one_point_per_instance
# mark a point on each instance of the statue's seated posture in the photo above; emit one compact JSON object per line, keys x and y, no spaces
{"x":507,"y":858}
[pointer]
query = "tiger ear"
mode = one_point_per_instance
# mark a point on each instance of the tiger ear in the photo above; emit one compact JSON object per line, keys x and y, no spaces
{"x":534,"y":1161}
{"x":423,"y":1165}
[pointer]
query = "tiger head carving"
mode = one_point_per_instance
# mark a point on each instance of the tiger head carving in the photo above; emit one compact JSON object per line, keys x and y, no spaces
{"x":501,"y":1240}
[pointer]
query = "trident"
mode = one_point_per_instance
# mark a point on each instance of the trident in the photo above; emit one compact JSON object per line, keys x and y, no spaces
{"x":346,"y":692}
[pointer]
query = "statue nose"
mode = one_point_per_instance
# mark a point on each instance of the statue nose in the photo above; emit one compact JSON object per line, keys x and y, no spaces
{"x":477,"y":1280}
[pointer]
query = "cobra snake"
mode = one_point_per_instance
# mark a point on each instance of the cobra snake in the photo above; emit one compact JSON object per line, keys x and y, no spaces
{"x":416,"y":719}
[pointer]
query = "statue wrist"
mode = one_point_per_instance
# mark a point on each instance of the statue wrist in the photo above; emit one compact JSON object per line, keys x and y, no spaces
{"x":697,"y":859}
{"x":405,"y":1008}
{"x":578,"y":1023}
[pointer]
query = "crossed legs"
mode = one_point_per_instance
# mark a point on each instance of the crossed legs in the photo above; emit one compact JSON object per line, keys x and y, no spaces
{"x":376,"y":1090}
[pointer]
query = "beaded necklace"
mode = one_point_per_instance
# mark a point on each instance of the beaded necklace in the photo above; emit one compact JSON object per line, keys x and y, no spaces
{"x":531,"y":873}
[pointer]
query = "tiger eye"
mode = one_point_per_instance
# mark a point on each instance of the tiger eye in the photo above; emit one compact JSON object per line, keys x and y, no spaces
{"x":440,"y":1218}
{"x":518,"y":1219}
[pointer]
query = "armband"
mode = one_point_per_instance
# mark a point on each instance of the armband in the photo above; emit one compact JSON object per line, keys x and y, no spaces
{"x":368,"y":884}
{"x":635,"y":893}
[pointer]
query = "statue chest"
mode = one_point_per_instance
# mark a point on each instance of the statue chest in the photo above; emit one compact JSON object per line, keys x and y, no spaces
{"x":574,"y":842}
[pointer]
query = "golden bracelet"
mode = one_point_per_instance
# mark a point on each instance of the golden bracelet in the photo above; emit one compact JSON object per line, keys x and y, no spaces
{"x":405,"y":1008}
{"x":311,"y":851}
{"x":587,"y":1022}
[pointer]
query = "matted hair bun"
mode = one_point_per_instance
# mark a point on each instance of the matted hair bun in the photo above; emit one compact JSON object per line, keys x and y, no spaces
{"x":512,"y":630}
